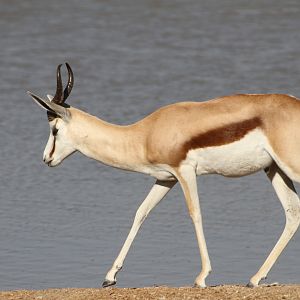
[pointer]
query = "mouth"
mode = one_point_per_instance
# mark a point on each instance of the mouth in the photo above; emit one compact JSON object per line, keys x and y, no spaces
{"x":53,"y":163}
{"x":48,"y":163}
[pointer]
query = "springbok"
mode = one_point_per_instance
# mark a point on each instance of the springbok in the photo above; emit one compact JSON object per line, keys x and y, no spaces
{"x":233,"y":136}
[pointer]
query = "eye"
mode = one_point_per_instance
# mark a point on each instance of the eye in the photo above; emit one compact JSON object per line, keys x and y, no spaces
{"x":54,"y":131}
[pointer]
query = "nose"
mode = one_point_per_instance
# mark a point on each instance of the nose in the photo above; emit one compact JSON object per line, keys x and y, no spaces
{"x":47,"y":160}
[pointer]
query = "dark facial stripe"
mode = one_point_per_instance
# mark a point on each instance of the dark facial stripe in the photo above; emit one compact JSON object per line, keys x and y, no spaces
{"x":53,"y":148}
{"x":217,"y":137}
{"x":54,"y":140}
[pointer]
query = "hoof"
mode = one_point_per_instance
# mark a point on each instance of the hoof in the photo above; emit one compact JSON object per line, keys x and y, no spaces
{"x":269,"y":284}
{"x":250,"y":285}
{"x":108,"y":283}
{"x":199,"y":286}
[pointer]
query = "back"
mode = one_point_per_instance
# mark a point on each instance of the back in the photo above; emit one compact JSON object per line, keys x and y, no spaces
{"x":179,"y":127}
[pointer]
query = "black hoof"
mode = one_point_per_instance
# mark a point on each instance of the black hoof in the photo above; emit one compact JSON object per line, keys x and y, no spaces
{"x":197,"y":286}
{"x":250,"y":285}
{"x":108,"y":283}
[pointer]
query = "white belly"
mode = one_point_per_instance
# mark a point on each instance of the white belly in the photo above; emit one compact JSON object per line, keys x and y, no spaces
{"x":242,"y":157}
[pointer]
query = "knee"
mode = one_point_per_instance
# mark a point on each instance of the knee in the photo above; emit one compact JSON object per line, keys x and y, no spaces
{"x":293,"y":212}
{"x":195,"y":216}
{"x":293,"y":217}
{"x":140,"y":216}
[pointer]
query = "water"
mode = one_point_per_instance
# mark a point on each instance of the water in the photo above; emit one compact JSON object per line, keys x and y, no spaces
{"x":64,"y":226}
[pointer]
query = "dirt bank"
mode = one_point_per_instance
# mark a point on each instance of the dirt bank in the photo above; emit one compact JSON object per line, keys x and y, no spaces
{"x":288,"y":292}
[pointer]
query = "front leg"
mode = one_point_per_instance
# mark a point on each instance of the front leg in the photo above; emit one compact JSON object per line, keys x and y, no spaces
{"x":156,"y":194}
{"x":186,"y":176}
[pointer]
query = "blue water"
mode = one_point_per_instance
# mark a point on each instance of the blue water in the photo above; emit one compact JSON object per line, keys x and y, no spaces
{"x":64,"y":226}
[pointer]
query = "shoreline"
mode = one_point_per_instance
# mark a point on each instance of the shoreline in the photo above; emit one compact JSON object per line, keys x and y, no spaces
{"x":224,"y":292}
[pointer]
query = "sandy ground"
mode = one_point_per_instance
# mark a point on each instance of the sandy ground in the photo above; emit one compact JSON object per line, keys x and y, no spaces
{"x":235,"y":292}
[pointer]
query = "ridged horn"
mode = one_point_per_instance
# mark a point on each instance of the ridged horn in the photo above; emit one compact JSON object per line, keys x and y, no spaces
{"x":58,"y":97}
{"x":70,"y":84}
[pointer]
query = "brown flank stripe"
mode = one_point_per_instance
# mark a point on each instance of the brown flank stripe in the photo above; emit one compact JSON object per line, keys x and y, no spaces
{"x":217,"y":137}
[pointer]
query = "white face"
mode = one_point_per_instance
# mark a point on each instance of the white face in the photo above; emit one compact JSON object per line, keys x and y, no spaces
{"x":59,"y":145}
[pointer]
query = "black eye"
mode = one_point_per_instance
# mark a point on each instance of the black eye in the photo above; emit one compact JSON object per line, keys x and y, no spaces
{"x":54,"y":131}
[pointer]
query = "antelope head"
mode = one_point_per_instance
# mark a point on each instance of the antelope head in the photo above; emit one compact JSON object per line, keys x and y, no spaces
{"x":59,"y":145}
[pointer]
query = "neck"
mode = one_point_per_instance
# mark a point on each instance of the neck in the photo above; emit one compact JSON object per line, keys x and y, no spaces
{"x":114,"y":145}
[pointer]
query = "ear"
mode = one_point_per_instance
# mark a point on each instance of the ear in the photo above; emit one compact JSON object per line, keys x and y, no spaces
{"x":52,"y":107}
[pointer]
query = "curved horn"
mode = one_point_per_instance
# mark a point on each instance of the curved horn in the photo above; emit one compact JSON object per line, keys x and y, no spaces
{"x":70,"y":84}
{"x":58,"y":98}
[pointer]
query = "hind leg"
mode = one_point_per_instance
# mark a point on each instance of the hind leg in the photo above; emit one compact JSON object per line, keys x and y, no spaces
{"x":289,"y":199}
